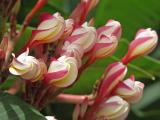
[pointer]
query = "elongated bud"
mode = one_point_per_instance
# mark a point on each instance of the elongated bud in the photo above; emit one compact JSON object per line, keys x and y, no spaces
{"x":73,"y":50}
{"x":68,"y":29}
{"x":105,"y":46}
{"x":112,"y":28}
{"x":114,"y":73}
{"x":130,"y":90}
{"x":115,"y":108}
{"x":62,"y":72}
{"x":85,"y":36}
{"x":27,"y":67}
{"x":144,"y":42}
{"x":49,"y":30}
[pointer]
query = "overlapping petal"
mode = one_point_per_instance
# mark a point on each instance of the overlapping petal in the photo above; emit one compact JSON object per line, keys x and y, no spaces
{"x":115,"y":108}
{"x":27,"y":67}
{"x":62,"y":72}
{"x":130,"y":90}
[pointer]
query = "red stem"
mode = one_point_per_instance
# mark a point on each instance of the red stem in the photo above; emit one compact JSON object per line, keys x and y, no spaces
{"x":73,"y":99}
{"x":36,"y":8}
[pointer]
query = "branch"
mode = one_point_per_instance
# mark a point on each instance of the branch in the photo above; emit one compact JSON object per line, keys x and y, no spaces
{"x":73,"y":99}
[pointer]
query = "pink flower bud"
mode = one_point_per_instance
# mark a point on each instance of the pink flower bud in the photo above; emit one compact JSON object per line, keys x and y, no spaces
{"x":114,"y":73}
{"x":73,"y":50}
{"x":27,"y":67}
{"x":130,"y":90}
{"x":144,"y":42}
{"x":115,"y":108}
{"x":62,"y":72}
{"x":85,"y":36}
{"x":105,"y":46}
{"x":49,"y":30}
{"x":112,"y":28}
{"x":68,"y":29}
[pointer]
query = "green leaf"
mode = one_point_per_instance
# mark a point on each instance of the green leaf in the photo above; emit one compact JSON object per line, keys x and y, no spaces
{"x":12,"y":108}
{"x":132,"y":14}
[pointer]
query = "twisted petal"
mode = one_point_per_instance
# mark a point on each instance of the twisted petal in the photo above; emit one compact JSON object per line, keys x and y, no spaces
{"x":115,"y":108}
{"x":130,"y":90}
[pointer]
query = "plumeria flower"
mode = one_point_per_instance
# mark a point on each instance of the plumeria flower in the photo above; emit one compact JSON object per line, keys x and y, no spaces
{"x":73,"y":50}
{"x":105,"y":46}
{"x":28,"y":67}
{"x":49,"y":30}
{"x":112,"y":28}
{"x":115,"y":108}
{"x":144,"y":42}
{"x":85,"y":36}
{"x":130,"y":90}
{"x":62,"y":72}
{"x":113,"y":74}
{"x":68,"y":28}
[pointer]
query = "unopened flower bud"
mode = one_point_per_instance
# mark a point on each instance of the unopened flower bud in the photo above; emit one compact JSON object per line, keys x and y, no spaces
{"x":115,"y":108}
{"x":105,"y":46}
{"x":114,"y":73}
{"x":85,"y":36}
{"x":62,"y":72}
{"x":144,"y":42}
{"x":112,"y":28}
{"x":73,"y":50}
{"x":49,"y":30}
{"x":27,"y":67}
{"x":68,"y":29}
{"x":130,"y":90}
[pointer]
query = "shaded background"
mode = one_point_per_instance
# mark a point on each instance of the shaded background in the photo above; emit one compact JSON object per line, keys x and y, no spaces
{"x":133,"y":15}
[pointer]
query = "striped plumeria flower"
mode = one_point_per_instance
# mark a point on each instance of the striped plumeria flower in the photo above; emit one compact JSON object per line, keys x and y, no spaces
{"x":111,"y":28}
{"x":85,"y":36}
{"x":145,"y":41}
{"x":27,"y":67}
{"x":62,"y":72}
{"x":114,"y":108}
{"x":49,"y":30}
{"x":130,"y":90}
{"x":105,"y":46}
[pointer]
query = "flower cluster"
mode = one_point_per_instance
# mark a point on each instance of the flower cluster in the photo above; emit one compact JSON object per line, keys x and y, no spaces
{"x":63,"y":48}
{"x":114,"y":94}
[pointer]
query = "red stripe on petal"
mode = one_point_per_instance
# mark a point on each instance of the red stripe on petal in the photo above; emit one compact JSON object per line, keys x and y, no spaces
{"x":55,"y":75}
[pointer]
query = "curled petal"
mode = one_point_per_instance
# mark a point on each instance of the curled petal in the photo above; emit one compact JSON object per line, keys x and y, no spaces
{"x":115,"y":108}
{"x":130,"y":90}
{"x":62,"y":72}
{"x":112,"y":28}
{"x":49,"y":30}
{"x":105,"y":46}
{"x":27,"y":67}
{"x":85,"y":36}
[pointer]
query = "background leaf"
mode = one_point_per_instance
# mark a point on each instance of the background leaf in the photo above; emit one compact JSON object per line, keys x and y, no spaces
{"x":12,"y":108}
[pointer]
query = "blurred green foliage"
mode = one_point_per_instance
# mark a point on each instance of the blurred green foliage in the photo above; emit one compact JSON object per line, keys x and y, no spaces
{"x":133,"y":15}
